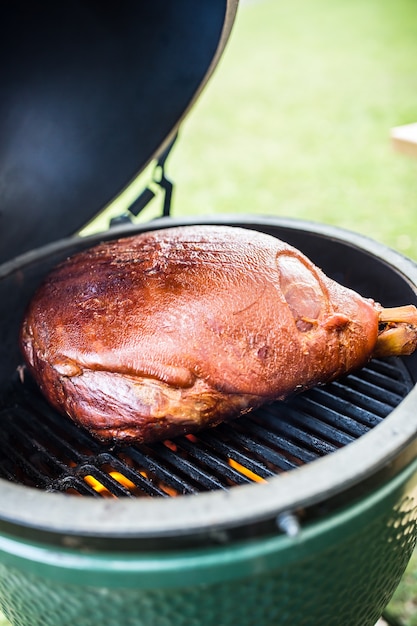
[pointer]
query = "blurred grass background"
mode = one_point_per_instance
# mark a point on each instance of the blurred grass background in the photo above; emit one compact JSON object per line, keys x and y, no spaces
{"x":296,"y":121}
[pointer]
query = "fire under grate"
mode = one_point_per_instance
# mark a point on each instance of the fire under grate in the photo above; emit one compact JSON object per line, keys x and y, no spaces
{"x":42,"y":449}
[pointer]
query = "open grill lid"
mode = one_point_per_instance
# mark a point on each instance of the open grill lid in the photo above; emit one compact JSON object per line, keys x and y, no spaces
{"x":91,"y":92}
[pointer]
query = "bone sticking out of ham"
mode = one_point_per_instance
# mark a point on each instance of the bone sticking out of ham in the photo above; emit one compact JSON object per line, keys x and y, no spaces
{"x":170,"y":331}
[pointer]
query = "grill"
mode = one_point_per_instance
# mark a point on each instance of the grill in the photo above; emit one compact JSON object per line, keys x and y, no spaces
{"x":311,"y":497}
{"x":43,"y":449}
{"x":301,"y":513}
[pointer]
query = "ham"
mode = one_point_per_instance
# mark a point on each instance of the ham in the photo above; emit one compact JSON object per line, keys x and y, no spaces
{"x":166,"y":332}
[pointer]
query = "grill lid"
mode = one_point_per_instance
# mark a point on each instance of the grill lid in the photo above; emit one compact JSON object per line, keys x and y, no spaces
{"x":90,"y":93}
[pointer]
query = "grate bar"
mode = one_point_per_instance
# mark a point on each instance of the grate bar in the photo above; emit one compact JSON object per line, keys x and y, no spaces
{"x":332,"y":417}
{"x":225,"y":442}
{"x":368,"y":388}
{"x":190,"y":469}
{"x":394,"y":375}
{"x":159,"y":470}
{"x":383,"y":379}
{"x":73,"y":484}
{"x":33,"y":475}
{"x":327,"y":432}
{"x":286,"y":446}
{"x":213,"y":461}
{"x":281,"y":419}
{"x":103,"y":479}
{"x":261,"y":451}
{"x":356,"y":397}
{"x":137,"y":479}
{"x":340,"y":406}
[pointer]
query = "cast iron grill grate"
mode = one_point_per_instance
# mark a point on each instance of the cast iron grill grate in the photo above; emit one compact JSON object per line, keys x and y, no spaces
{"x":40,"y":448}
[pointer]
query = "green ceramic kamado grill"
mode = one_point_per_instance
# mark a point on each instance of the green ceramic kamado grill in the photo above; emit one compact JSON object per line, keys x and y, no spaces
{"x":302,"y":513}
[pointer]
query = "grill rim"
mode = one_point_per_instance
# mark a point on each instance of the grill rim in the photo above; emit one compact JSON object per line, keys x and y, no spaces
{"x":376,"y":456}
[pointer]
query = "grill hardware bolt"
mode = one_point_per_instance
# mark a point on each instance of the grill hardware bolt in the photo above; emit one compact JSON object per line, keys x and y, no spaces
{"x":289,"y":524}
{"x":219,"y":536}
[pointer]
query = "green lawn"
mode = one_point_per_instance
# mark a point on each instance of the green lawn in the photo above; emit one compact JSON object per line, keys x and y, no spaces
{"x":296,"y":119}
{"x":296,"y":122}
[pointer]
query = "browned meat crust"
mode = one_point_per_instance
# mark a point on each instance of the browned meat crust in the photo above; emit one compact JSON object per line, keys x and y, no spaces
{"x":169,"y":331}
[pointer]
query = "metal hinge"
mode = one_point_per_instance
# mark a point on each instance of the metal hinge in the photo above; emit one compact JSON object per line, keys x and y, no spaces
{"x":158,"y":178}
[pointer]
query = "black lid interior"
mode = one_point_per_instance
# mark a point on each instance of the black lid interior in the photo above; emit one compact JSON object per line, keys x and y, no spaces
{"x":90,"y":92}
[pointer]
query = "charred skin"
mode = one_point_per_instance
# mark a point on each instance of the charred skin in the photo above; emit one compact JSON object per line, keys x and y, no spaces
{"x":170,"y":331}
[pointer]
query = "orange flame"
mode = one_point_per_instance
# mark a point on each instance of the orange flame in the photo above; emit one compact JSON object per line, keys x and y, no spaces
{"x":246,"y":472}
{"x":100,"y":488}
